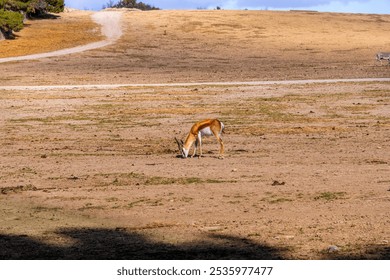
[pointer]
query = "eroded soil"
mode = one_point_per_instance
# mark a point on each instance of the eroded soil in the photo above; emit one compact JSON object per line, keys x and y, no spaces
{"x":95,"y":173}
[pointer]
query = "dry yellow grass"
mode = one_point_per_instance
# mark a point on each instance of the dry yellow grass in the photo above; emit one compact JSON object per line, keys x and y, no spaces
{"x":171,"y":46}
{"x":259,"y":34}
{"x":45,"y":35}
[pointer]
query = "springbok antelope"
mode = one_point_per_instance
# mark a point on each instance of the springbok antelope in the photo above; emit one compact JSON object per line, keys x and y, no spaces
{"x":207,"y":127}
{"x":383,"y":56}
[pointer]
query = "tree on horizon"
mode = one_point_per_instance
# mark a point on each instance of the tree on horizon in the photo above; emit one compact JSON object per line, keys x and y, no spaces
{"x":132,"y":4}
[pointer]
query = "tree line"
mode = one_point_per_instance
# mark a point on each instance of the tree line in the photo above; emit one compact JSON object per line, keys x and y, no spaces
{"x":13,"y":12}
{"x":132,"y":4}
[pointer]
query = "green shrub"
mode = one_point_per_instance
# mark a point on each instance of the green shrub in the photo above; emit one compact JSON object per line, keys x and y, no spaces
{"x":134,"y":4}
{"x":13,"y":11}
{"x":37,"y":8}
{"x":14,"y":5}
{"x":55,"y":6}
{"x":10,"y":20}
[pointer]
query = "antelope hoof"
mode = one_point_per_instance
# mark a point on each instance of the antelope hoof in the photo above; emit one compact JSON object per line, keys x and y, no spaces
{"x":221,"y":157}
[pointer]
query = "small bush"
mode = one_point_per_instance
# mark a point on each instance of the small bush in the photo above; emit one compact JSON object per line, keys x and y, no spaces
{"x":12,"y":13}
{"x":133,"y":4}
{"x":10,"y":21}
{"x":55,"y":6}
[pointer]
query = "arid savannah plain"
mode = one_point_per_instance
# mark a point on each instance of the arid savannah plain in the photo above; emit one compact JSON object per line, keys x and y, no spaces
{"x":90,"y":169}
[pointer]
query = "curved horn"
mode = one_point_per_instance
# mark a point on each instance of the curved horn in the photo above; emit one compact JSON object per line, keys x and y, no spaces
{"x":178,"y":144}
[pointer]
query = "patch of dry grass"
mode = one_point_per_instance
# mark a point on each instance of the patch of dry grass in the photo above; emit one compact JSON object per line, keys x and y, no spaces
{"x":187,"y":46}
{"x":313,"y":35}
{"x":45,"y":35}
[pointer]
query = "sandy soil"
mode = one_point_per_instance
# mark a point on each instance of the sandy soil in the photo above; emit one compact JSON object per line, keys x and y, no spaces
{"x":92,"y":173}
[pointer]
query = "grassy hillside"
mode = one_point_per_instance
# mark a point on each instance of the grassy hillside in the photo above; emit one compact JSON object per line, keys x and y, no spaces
{"x":169,"y":46}
{"x":69,"y":30}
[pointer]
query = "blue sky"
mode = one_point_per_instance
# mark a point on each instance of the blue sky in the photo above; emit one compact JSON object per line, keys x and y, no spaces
{"x":352,"y":6}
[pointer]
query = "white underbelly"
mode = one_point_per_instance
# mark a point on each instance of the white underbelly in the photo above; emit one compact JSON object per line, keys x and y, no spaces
{"x":206,"y":131}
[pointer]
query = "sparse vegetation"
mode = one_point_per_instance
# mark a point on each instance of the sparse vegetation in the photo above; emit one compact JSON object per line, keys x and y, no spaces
{"x":328,"y":196}
{"x":132,"y":178}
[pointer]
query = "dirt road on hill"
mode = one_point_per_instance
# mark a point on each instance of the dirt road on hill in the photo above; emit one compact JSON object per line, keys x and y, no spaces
{"x":204,"y":46}
{"x":111,"y":28}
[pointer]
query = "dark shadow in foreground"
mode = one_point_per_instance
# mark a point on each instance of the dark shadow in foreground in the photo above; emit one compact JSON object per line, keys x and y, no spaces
{"x":116,"y":244}
{"x":106,"y":244}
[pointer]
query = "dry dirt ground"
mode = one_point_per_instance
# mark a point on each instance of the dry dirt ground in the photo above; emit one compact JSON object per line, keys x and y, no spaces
{"x":95,"y":174}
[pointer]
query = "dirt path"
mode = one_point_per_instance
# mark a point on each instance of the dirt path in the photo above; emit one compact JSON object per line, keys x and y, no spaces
{"x":238,"y":83}
{"x":111,"y":28}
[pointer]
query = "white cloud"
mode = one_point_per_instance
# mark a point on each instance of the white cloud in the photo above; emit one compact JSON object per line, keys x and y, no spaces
{"x":372,"y":6}
{"x":240,"y":4}
{"x":357,"y":6}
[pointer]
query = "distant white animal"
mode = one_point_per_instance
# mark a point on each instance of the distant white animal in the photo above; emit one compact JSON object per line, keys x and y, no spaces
{"x":383,"y":56}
